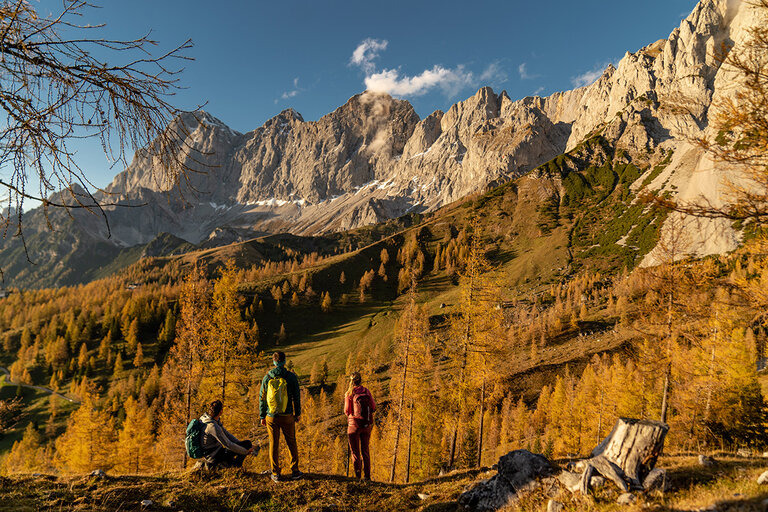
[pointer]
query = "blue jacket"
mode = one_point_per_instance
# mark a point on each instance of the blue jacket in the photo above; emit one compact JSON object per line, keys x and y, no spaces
{"x":294,"y":395}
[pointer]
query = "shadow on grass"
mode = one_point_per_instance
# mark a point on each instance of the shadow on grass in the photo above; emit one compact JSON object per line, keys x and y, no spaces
{"x":340,"y":323}
{"x":438,"y":284}
{"x":755,"y":504}
{"x":688,"y":476}
{"x":307,"y":325}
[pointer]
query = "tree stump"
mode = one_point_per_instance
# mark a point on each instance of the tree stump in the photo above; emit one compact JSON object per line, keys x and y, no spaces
{"x":627,"y":455}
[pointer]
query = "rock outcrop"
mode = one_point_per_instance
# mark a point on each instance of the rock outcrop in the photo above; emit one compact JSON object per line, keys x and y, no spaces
{"x":519,"y":471}
{"x":373,"y":158}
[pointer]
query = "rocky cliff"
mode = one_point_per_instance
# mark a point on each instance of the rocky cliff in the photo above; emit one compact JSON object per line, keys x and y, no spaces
{"x":373,"y":158}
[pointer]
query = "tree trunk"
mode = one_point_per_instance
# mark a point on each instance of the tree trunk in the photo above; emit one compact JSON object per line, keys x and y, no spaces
{"x":462,"y":375}
{"x":223,"y":371}
{"x":668,"y":370}
{"x":455,"y":434}
{"x":480,"y":429}
{"x":710,"y":370}
{"x":628,"y":454}
{"x":600,"y":415}
{"x":408,"y":336}
{"x":188,"y":408}
{"x":665,"y":397}
{"x":410,"y":444}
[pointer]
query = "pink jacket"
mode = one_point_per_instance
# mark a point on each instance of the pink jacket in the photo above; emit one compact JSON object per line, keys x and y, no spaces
{"x":349,"y":406}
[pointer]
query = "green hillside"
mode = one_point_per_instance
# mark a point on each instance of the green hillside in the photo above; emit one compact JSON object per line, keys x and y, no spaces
{"x":562,"y":245}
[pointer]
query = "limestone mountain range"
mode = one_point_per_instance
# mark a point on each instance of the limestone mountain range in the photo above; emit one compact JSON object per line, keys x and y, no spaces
{"x":373,"y":158}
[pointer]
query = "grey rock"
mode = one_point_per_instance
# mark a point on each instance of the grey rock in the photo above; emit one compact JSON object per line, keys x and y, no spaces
{"x":98,"y":473}
{"x":706,"y":460}
{"x":519,"y":471}
{"x":626,"y":498}
{"x":570,"y":480}
{"x":596,"y":482}
{"x":146,"y":503}
{"x":656,"y":479}
{"x":422,"y":496}
{"x":763,"y":478}
{"x":554,"y":506}
{"x":744,"y":452}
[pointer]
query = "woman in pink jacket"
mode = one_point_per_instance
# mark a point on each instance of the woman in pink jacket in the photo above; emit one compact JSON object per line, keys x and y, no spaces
{"x":359,"y":406}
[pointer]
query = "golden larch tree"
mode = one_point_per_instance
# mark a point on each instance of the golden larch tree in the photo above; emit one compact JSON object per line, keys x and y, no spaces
{"x":89,"y":440}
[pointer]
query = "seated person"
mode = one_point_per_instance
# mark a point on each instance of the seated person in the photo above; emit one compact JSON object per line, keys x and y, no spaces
{"x":221,"y":448}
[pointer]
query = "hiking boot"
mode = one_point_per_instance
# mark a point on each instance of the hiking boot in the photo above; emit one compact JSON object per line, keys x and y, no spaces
{"x":275,"y":477}
{"x":297,"y":475}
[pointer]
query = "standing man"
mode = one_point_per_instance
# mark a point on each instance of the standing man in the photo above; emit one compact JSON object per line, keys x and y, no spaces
{"x":280,"y":409}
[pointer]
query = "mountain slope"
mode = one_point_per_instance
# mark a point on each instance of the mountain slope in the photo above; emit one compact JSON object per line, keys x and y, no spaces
{"x":373,"y":159}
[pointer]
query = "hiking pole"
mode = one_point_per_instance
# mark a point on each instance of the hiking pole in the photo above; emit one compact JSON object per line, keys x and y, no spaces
{"x":347,"y":456}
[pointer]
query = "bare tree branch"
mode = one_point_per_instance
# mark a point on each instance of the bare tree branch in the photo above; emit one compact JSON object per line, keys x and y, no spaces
{"x":54,"y":90}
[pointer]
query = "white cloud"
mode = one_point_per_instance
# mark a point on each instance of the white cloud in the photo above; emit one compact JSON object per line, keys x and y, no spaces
{"x":390,"y":81}
{"x":366,"y":52}
{"x":493,"y":74}
{"x":590,"y":76}
{"x":524,"y":75}
{"x":293,"y":92}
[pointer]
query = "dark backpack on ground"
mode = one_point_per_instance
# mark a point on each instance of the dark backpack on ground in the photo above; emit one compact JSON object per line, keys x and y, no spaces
{"x":194,"y":440}
{"x":362,"y":410}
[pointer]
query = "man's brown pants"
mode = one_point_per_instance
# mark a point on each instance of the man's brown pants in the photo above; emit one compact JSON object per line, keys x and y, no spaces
{"x":286,"y":424}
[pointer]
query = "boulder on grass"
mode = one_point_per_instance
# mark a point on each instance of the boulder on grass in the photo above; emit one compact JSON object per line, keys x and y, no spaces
{"x":763,"y":479}
{"x":570,"y":480}
{"x":555,"y":506}
{"x":627,"y":499}
{"x":519,"y":471}
{"x":656,"y":480}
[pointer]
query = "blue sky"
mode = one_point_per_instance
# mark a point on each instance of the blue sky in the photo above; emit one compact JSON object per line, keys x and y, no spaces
{"x":254,"y":59}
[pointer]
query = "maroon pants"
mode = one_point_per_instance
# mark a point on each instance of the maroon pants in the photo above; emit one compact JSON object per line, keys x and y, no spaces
{"x":359,"y":440}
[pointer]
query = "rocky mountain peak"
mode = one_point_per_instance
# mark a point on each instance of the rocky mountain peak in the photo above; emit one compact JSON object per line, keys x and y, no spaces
{"x":187,"y":123}
{"x":287,"y":116}
{"x":373,"y":158}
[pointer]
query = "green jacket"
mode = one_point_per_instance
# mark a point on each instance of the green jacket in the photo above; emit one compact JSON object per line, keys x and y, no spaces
{"x":294,"y":395}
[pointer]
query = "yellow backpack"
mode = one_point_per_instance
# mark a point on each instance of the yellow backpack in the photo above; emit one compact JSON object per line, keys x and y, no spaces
{"x":277,"y":395}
